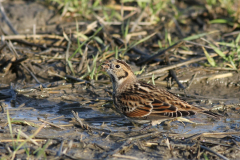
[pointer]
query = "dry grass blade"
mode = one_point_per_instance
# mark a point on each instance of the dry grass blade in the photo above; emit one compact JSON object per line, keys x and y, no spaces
{"x":3,"y":46}
{"x":21,"y":140}
{"x":6,"y":69}
{"x":180,"y":64}
{"x":83,"y":126}
{"x":116,"y":151}
{"x":67,"y":55}
{"x":51,"y":124}
{"x":20,"y":37}
{"x":213,"y":135}
{"x":125,"y":157}
{"x":141,"y":136}
{"x":224,"y":75}
{"x":208,"y":77}
{"x":27,"y":137}
{"x":33,"y":135}
{"x":84,"y":57}
{"x":139,"y":19}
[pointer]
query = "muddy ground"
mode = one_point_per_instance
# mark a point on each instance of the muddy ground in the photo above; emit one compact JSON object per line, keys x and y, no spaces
{"x":41,"y":95}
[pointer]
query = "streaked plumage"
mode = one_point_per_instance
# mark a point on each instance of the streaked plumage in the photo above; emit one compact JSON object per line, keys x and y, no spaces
{"x":142,"y":102}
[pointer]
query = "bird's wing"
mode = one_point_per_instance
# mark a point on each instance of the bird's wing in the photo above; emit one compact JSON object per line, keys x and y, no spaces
{"x":138,"y":105}
{"x":182,"y":108}
{"x":133,"y":104}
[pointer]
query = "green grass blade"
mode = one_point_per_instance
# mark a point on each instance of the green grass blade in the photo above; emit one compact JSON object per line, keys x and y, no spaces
{"x":153,"y":81}
{"x":238,"y":53}
{"x":10,"y":128}
{"x":205,"y":156}
{"x":219,"y":52}
{"x":227,"y":44}
{"x":90,"y":38}
{"x":218,"y":21}
{"x":199,"y":35}
{"x":41,"y":152}
{"x":210,"y":59}
{"x":232,"y":62}
{"x":237,"y":39}
{"x":144,"y":39}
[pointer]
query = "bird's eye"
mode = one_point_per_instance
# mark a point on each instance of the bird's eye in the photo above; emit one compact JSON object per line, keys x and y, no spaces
{"x":117,"y":66}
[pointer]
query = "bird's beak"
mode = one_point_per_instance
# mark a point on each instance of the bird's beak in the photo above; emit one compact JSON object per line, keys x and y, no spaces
{"x":106,"y":65}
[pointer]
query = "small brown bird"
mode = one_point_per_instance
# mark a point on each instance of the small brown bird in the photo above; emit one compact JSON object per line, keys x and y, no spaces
{"x":144,"y":103}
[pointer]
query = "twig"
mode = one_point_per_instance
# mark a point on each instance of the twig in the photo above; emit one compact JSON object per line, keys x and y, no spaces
{"x":119,"y":42}
{"x":13,"y":94}
{"x":11,"y":47}
{"x":173,"y":145}
{"x":2,"y":47}
{"x":2,"y":106}
{"x":7,"y":68}
{"x":178,"y":28}
{"x":209,"y":150}
{"x":191,"y":81}
{"x":76,"y":79}
{"x":59,"y":153}
{"x":160,"y":53}
{"x":173,"y":74}
{"x":6,"y":19}
{"x":235,"y":143}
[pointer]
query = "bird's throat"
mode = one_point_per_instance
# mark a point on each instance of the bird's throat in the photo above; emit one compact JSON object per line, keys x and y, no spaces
{"x":124,"y":83}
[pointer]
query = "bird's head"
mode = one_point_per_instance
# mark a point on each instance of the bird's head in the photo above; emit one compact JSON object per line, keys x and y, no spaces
{"x":120,"y":72}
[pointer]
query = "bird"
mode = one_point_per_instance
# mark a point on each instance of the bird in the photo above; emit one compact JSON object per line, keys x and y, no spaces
{"x":144,"y":103}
